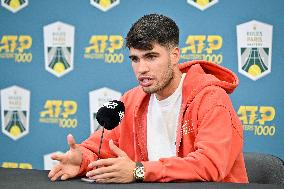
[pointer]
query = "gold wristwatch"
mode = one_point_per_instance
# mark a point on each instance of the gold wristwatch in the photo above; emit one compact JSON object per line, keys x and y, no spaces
{"x":139,"y":172}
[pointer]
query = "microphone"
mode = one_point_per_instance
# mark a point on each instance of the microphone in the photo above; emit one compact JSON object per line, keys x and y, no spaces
{"x":110,"y":114}
{"x":109,"y":117}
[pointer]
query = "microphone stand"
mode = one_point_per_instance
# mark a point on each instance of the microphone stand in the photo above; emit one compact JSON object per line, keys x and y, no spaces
{"x":99,"y":152}
{"x":101,"y":141}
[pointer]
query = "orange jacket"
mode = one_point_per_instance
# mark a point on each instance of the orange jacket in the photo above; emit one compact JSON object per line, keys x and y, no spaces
{"x":209,"y":136}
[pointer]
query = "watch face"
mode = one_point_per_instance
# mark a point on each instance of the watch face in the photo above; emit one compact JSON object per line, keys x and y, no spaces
{"x":140,"y":172}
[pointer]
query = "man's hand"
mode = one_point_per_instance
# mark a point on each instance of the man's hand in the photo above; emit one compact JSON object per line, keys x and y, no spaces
{"x":69,"y":163}
{"x":113,"y":170}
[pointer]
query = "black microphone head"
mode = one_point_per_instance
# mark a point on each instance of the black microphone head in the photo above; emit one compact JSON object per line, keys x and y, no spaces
{"x":110,"y":114}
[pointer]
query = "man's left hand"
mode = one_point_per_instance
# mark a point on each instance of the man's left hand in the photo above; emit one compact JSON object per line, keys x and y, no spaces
{"x":112,"y":170}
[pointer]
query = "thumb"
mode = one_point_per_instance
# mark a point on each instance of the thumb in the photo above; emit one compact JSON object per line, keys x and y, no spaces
{"x":71,"y":141}
{"x":116,"y":150}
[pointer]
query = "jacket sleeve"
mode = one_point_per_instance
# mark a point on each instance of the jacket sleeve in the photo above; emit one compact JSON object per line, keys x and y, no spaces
{"x":89,"y":148}
{"x":212,"y":158}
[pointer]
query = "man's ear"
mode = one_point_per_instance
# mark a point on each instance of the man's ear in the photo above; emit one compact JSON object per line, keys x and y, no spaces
{"x":175,"y":55}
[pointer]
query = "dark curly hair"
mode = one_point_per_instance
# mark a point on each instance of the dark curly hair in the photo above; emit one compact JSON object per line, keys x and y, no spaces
{"x":150,"y":29}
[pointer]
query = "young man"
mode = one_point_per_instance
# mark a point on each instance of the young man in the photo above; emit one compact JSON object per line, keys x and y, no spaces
{"x":179,"y":123}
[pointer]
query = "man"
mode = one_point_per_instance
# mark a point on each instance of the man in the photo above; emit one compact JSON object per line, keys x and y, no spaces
{"x":179,"y":123}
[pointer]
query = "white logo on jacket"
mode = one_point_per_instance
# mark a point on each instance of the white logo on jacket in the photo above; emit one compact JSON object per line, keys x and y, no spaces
{"x":186,"y":128}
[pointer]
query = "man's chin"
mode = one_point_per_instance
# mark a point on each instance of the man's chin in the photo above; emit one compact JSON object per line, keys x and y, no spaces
{"x":148,"y":90}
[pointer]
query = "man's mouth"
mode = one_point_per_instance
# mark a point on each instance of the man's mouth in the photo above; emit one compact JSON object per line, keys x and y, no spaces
{"x":145,"y":81}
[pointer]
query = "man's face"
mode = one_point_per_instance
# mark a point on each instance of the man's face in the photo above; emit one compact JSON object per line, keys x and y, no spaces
{"x":153,"y":68}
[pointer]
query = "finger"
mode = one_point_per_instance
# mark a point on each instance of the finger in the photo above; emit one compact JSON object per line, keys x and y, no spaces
{"x":58,"y":174}
{"x":108,"y":180}
{"x":58,"y":157}
{"x":102,"y":162}
{"x":65,"y":177}
{"x":99,"y":171}
{"x":104,"y":176}
{"x":54,"y":170}
{"x":71,"y":141}
{"x":116,"y":150}
{"x":101,"y":181}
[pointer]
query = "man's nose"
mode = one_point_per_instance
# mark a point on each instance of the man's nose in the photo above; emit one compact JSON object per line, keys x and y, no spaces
{"x":143,"y":67}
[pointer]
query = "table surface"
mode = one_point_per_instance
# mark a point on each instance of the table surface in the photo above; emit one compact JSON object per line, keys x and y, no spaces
{"x":30,"y":178}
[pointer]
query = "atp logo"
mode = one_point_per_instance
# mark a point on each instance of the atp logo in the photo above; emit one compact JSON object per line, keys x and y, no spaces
{"x":14,"y":5}
{"x":59,"y":112}
{"x":202,"y":4}
{"x":104,"y":5}
{"x":257,"y":119}
{"x":202,"y":47}
{"x":16,"y":47}
{"x":104,"y":47}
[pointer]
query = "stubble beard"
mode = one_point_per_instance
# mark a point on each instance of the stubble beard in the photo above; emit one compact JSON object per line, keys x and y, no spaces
{"x":166,"y":80}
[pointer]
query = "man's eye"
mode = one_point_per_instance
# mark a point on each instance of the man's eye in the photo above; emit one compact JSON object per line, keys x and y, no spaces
{"x":151,"y":57}
{"x":134,"y":59}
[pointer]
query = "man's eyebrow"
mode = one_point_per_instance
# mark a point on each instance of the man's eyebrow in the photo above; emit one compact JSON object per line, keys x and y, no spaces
{"x":150,"y":53}
{"x":132,"y":56}
{"x":144,"y":55}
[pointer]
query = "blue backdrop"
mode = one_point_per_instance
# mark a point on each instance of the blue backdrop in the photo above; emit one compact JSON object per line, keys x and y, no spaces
{"x":259,"y":103}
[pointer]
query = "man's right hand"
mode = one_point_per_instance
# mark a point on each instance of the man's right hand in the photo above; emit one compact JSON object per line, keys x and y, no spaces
{"x":69,"y":163}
